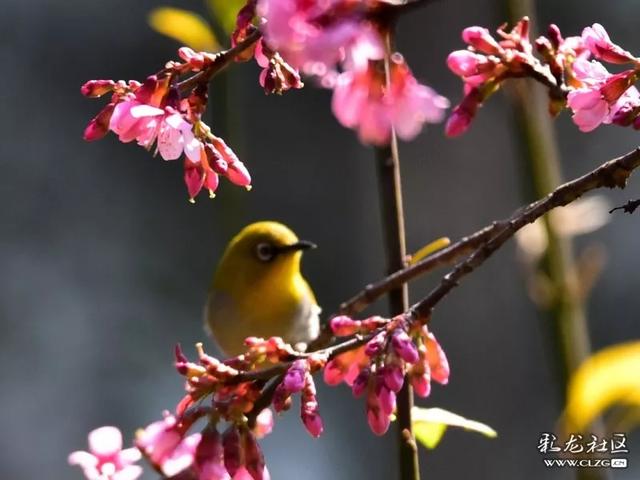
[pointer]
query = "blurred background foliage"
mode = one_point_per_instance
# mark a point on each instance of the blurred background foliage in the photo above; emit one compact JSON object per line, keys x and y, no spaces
{"x":106,"y":265}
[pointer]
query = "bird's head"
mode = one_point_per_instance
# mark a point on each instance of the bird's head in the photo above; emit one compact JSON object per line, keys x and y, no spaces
{"x":262,"y":250}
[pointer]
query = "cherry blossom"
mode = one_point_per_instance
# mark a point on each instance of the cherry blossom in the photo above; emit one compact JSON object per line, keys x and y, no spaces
{"x":106,"y":460}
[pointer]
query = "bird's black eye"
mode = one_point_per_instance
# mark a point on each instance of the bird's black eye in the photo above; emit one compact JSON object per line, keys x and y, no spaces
{"x":265,"y":252}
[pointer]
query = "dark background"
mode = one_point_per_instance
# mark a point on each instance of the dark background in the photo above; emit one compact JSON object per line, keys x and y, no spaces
{"x":105,"y":264}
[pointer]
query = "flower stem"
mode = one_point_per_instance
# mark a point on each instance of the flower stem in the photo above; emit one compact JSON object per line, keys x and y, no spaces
{"x":390,"y":193}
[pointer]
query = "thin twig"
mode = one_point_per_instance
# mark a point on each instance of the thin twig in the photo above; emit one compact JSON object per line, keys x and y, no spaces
{"x":612,"y":174}
{"x":223,"y":59}
{"x":629,"y":207}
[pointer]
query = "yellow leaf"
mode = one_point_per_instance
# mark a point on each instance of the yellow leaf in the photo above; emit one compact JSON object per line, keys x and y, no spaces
{"x":430,"y":248}
{"x":429,"y":425}
{"x":607,"y":378}
{"x":225,"y":12}
{"x":184,"y":26}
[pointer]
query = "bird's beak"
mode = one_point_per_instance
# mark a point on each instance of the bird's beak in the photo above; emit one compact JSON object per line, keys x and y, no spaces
{"x":294,"y":247}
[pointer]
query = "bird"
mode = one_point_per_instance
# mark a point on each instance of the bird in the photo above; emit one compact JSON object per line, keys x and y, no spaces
{"x":258,"y":290}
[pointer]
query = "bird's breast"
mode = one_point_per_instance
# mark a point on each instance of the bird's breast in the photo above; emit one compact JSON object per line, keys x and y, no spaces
{"x":287,"y":311}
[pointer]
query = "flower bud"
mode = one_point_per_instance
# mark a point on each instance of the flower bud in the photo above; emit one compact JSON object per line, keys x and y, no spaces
{"x":343,"y":326}
{"x":404,"y":346}
{"x":294,"y":379}
{"x":253,"y":457}
{"x":360,"y":383}
{"x":375,"y":346}
{"x":480,"y":38}
{"x":97,"y":88}
{"x":393,"y":376}
{"x":232,"y":449}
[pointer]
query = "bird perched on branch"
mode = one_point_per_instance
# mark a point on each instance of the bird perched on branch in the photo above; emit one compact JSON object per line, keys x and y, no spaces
{"x":258,"y":290}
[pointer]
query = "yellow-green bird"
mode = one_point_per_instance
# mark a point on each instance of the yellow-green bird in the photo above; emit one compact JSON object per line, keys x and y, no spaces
{"x":258,"y":290}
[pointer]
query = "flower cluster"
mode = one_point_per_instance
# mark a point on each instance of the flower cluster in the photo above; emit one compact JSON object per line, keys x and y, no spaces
{"x":570,"y":67}
{"x":235,"y":397}
{"x":159,"y":115}
{"x":379,"y":367}
{"x":341,"y":42}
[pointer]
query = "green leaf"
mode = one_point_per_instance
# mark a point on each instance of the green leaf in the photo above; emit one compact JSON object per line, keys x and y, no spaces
{"x":225,"y":12}
{"x":429,"y":425}
{"x":185,"y":26}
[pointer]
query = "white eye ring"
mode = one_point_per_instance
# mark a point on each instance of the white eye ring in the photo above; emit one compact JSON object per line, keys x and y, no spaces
{"x":265,"y":252}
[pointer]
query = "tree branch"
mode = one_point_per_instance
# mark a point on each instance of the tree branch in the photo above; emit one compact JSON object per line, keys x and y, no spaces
{"x":223,"y":59}
{"x":612,"y":174}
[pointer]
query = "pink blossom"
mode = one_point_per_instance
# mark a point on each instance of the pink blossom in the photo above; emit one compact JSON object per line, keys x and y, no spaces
{"x":600,"y":45}
{"x":294,"y":28}
{"x":590,"y":109}
{"x":106,"y":460}
{"x":134,"y":120}
{"x":166,"y":447}
{"x":601,"y":96}
{"x":362,"y":101}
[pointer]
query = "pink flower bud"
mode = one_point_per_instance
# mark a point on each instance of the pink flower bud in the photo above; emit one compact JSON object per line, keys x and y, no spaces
{"x":463,"y":114}
{"x":372,"y":323}
{"x":404,"y":346}
{"x":239,"y":174}
{"x":312,"y":422}
{"x":309,"y":410}
{"x":421,"y":385}
{"x":99,"y":126}
{"x":209,"y":456}
{"x":253,"y":457}
{"x":438,"y":362}
{"x":333,"y":373}
{"x":555,"y":36}
{"x":480,"y":38}
{"x":343,"y":326}
{"x":465,"y":63}
{"x":232,"y":449}
{"x":378,"y":421}
{"x":375,"y":346}
{"x":97,"y":88}
{"x":294,"y":379}
{"x":360,"y":383}
{"x":386,"y":398}
{"x":393,"y":376}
